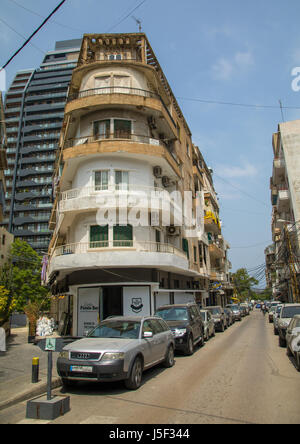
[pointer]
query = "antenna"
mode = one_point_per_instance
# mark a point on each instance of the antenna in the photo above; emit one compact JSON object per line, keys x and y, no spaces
{"x":139,"y":23}
{"x":281,"y":108}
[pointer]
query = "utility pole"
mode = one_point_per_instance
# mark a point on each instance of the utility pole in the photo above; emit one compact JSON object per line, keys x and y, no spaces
{"x":293,"y":271}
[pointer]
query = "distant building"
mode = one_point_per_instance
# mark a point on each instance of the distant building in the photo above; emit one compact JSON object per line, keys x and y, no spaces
{"x":34,"y":110}
{"x":285,"y":197}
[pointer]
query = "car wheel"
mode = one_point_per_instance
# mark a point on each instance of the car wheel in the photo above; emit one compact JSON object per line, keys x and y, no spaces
{"x":135,"y":379}
{"x":275,"y":332}
{"x":190,"y":346}
{"x":298,"y":361}
{"x":214,"y":332}
{"x":282,"y":342}
{"x":169,"y":359}
{"x":288,"y":351}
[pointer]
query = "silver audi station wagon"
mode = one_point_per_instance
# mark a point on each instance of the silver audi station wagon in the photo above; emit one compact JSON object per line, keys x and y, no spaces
{"x":119,"y":348}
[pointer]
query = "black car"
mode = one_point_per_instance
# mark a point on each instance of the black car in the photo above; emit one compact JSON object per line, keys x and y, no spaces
{"x":186,"y":323}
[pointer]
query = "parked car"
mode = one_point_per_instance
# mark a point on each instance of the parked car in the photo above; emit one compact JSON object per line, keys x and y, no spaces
{"x":275,"y":318}
{"x":246,"y":307}
{"x":229,"y":316}
{"x":209,"y":325}
{"x":243,"y":310}
{"x":119,"y":348}
{"x":288,"y":311}
{"x":219,"y":317}
{"x":293,"y":340}
{"x":186,"y":323}
{"x":236,"y":312}
{"x":271,"y":313}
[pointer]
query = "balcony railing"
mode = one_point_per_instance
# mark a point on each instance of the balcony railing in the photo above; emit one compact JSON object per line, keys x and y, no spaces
{"x":113,"y":90}
{"x":117,"y":135}
{"x":120,"y":90}
{"x":92,"y":247}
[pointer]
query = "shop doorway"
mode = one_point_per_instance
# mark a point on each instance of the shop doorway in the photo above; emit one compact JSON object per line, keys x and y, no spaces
{"x":96,"y":304}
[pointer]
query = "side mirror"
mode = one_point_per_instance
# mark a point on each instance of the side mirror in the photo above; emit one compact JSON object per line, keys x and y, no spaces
{"x":148,"y":334}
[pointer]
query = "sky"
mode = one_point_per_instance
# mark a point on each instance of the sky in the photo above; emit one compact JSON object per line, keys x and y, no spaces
{"x":215,"y":55}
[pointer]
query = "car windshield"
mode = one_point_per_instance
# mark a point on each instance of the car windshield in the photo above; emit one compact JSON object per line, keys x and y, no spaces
{"x":173,"y":314}
{"x":116,"y":329}
{"x":215,"y":311}
{"x":290,"y":312}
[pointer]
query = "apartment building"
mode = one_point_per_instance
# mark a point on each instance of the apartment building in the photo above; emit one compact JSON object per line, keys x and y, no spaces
{"x":119,"y":244}
{"x":6,"y":239}
{"x":285,"y":198}
{"x":34,"y":111}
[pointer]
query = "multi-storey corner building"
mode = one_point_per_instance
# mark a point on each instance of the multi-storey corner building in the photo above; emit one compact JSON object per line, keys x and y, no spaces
{"x":285,"y":198}
{"x":125,"y":144}
{"x":34,"y":111}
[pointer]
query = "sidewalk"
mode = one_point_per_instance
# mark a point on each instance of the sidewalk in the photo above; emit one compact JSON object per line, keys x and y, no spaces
{"x":16,"y":370}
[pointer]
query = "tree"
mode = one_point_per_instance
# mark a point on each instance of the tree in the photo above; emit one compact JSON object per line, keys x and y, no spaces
{"x":21,"y":277}
{"x":243,"y":283}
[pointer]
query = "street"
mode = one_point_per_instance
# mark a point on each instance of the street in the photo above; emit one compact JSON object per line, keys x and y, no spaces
{"x":241,"y":376}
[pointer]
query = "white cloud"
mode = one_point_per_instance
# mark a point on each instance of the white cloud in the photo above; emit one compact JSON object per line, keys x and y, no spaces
{"x":226,"y":68}
{"x":229,"y":171}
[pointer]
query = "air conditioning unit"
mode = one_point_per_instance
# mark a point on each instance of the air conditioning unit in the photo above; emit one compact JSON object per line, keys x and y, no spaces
{"x":157,"y":171}
{"x":166,"y":181}
{"x":173,"y":231}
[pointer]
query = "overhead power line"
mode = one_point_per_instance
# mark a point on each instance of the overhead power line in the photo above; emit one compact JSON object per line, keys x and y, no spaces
{"x":245,"y":105}
{"x":33,"y":34}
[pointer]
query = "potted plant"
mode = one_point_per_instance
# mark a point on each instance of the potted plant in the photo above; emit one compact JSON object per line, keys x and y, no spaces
{"x":32,"y":310}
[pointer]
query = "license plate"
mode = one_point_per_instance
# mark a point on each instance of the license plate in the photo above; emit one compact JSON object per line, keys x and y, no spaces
{"x":81,"y":369}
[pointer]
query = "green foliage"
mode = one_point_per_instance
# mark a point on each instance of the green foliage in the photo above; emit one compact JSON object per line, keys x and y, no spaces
{"x":243,"y":284}
{"x":21,"y":276}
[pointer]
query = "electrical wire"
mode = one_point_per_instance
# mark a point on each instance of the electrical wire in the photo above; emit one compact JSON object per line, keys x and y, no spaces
{"x":33,"y":34}
{"x":126,"y":17}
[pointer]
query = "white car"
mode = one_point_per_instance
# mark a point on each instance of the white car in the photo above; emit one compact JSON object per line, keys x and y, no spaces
{"x":119,"y":348}
{"x":293,"y":340}
{"x":287,"y":312}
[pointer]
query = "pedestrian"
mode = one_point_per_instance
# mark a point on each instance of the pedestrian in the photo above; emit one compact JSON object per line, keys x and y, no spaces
{"x":2,"y":340}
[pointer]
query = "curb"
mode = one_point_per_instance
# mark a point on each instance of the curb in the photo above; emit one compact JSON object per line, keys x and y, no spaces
{"x":35,"y":391}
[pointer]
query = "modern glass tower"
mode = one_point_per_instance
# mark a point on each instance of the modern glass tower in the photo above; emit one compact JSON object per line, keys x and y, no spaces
{"x":34,"y":110}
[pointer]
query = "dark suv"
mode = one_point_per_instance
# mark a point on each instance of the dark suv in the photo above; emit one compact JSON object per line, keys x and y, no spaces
{"x":186,"y":323}
{"x":219,"y":317}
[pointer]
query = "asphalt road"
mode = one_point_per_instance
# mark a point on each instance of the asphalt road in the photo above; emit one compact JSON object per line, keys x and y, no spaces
{"x":241,"y":376}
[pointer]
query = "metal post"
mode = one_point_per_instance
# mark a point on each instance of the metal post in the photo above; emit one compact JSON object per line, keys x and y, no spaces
{"x":35,"y":370}
{"x":49,"y":379}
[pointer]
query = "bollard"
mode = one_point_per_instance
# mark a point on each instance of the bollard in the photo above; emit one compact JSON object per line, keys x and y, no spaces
{"x":35,"y":370}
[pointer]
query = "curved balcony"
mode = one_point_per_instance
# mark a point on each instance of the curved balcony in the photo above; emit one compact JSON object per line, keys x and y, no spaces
{"x":88,"y":198}
{"x":119,"y":96}
{"x":135,"y":144}
{"x":119,"y":254}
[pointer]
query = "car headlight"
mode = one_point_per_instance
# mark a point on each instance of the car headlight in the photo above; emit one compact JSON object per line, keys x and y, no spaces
{"x":178,"y":332}
{"x":112,"y":356}
{"x":64,"y":354}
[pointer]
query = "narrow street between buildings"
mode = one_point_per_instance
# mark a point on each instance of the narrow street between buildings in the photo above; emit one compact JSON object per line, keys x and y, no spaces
{"x":241,"y":376}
